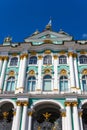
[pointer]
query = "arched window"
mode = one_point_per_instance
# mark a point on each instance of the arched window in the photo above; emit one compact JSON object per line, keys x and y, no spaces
{"x":10,"y":86}
{"x":63,"y":83}
{"x":14,"y":61}
{"x":84,"y":82}
{"x":62,"y":59}
{"x":31,"y":83}
{"x":47,"y":60}
{"x":33,"y":60}
{"x":83,"y":59}
{"x":47,"y":83}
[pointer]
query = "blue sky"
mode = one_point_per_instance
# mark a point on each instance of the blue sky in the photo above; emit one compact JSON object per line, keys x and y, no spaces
{"x":20,"y":18}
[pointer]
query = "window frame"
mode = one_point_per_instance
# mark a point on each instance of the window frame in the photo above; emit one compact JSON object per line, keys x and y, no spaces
{"x":9,"y":65}
{"x":43,"y":87}
{"x":63,"y":80}
{"x":46,"y":60}
{"x":61,"y":60}
{"x":32,"y":60}
{"x":84,"y":59}
{"x":30,"y":89}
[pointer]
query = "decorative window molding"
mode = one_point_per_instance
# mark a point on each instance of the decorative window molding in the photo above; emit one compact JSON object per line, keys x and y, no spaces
{"x":13,"y":61}
{"x":10,"y":84}
{"x":83,"y":59}
{"x":47,"y":83}
{"x":47,"y":60}
{"x":31,"y":83}
{"x":62,"y":59}
{"x":33,"y":60}
{"x":63,"y":83}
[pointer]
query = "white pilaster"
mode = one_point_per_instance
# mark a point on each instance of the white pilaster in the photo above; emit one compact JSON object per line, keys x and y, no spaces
{"x":55,"y":73}
{"x":14,"y":118}
{"x":75,"y":116}
{"x":80,"y":119}
{"x":19,"y":74}
{"x":18,"y":116}
{"x":68,"y":115}
{"x":39,"y":84}
{"x":71,"y":64}
{"x":3,"y":72}
{"x":1,"y":62}
{"x":24,"y":116}
{"x":63,"y":114}
{"x":30,"y":120}
{"x":76,"y":70}
{"x":22,"y":73}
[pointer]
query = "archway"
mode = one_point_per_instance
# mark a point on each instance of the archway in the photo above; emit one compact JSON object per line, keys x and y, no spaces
{"x":47,"y":116}
{"x":84,"y":116}
{"x":6,"y":116}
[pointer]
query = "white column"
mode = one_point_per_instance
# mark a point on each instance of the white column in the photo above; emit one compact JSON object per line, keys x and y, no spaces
{"x":80,"y":120}
{"x":18,"y":116}
{"x":22,"y":73}
{"x":24,"y":116}
{"x":63,"y":114}
{"x":39,"y":83}
{"x":75,"y":116}
{"x":1,"y":62}
{"x":19,"y":74}
{"x":71,"y":64}
{"x":55,"y":73}
{"x":68,"y":115}
{"x":14,"y":118}
{"x":76,"y":70}
{"x":3,"y":71}
{"x":23,"y":70}
{"x":30,"y":120}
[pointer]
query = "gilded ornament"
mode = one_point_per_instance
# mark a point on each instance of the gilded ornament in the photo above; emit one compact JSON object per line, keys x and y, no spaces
{"x":18,"y":103}
{"x":11,"y":73}
{"x":47,"y":52}
{"x":25,"y":103}
{"x":84,"y":72}
{"x":40,"y":57}
{"x":83,"y":52}
{"x":63,"y":72}
{"x":67,"y":103}
{"x":63,"y":114}
{"x":14,"y":54}
{"x":80,"y":114}
{"x":55,"y":57}
{"x":74,"y":103}
{"x":62,"y":52}
{"x":46,"y":71}
{"x":70,"y":54}
{"x":30,"y":113}
{"x":47,"y":41}
{"x":47,"y":115}
{"x":14,"y":113}
{"x":5,"y":57}
{"x":5,"y":114}
{"x":33,"y":53}
{"x":31,"y":72}
{"x":1,"y":58}
{"x":74,"y":55}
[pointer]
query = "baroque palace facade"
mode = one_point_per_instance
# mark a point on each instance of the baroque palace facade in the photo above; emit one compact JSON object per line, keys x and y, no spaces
{"x":43,"y":82}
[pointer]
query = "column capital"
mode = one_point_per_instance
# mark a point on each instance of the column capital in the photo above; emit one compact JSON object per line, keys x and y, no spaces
{"x":55,"y":57}
{"x":70,"y":54}
{"x":40,"y":57}
{"x":75,"y":103}
{"x":63,"y":113}
{"x":67,"y":103}
{"x":30,"y":112}
{"x":25,"y":55}
{"x":19,"y":103}
{"x":25,"y":103}
{"x":1,"y":57}
{"x":5,"y":57}
{"x":75,"y":55}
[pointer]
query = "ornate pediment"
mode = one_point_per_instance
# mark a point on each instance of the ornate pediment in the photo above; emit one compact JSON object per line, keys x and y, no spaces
{"x":48,"y":36}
